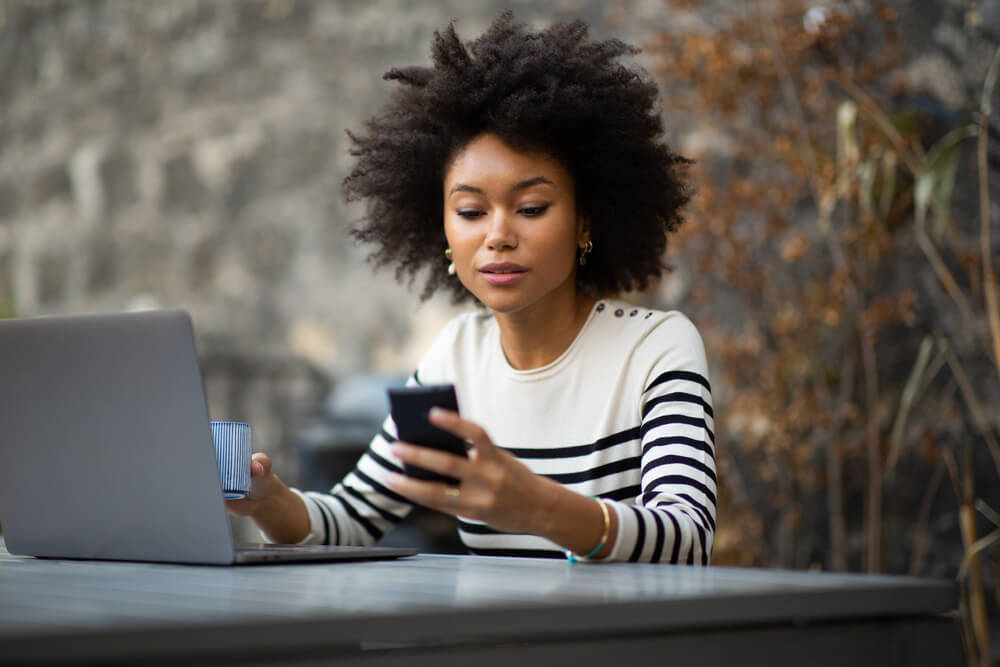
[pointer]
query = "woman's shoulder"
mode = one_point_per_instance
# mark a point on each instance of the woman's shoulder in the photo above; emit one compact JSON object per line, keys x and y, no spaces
{"x":649,"y":334}
{"x":624,"y":318}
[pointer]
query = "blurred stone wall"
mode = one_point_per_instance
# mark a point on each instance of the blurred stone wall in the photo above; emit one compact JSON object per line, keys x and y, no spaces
{"x":190,"y":153}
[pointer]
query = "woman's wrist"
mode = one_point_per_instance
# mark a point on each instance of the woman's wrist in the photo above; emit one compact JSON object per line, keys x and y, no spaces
{"x":548,"y":517}
{"x":605,"y":534}
{"x":580,"y":524}
{"x":282,"y":516}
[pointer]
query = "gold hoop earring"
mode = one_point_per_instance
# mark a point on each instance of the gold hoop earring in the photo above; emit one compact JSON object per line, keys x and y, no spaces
{"x":451,"y":265}
{"x":583,"y":252}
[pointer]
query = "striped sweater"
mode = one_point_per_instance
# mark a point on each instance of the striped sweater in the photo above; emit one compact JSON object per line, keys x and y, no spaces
{"x":625,"y":414}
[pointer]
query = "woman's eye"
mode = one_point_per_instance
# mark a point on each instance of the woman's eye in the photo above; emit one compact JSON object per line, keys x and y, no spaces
{"x":534,"y":211}
{"x":470,"y":214}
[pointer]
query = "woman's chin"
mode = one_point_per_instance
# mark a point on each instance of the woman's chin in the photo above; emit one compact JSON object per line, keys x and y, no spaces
{"x":504,"y":304}
{"x":518,"y":297}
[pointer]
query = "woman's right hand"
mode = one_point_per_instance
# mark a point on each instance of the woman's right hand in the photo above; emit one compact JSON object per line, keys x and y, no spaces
{"x":277,"y":510}
{"x":263,"y":485}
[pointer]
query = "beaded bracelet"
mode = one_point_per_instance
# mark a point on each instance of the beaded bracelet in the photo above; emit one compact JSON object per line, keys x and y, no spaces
{"x":573,"y":558}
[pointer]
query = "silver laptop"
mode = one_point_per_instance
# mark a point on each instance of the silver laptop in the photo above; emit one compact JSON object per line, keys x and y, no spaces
{"x":106,"y":450}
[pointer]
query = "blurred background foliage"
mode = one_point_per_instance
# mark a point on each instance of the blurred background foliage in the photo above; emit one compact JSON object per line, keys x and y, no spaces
{"x":846,"y":221}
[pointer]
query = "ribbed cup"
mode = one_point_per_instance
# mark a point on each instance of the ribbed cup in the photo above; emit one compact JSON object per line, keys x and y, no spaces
{"x":233,"y":448}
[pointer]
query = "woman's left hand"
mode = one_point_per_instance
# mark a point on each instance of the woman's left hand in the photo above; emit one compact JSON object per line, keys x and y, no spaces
{"x":494,"y":487}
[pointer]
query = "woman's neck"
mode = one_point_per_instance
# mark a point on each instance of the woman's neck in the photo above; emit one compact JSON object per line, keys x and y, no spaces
{"x":538,"y":335}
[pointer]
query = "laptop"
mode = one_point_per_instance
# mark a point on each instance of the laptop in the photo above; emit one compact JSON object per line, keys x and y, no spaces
{"x":106,"y":448}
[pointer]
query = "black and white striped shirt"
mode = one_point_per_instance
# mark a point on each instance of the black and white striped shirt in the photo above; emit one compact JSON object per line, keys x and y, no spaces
{"x":624,"y":414}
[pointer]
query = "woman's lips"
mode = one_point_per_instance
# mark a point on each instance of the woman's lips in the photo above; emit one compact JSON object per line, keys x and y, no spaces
{"x":502,"y":273}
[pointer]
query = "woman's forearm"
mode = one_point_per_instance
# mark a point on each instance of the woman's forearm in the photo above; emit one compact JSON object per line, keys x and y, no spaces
{"x":283,"y":517}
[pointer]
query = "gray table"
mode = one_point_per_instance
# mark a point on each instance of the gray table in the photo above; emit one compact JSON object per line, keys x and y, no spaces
{"x":467,"y":610}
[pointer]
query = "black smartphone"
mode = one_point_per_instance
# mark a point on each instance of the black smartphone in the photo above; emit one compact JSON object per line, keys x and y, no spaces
{"x":409,"y":407}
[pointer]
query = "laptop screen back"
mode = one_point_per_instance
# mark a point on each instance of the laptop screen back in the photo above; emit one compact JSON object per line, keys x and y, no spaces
{"x":105,"y":445}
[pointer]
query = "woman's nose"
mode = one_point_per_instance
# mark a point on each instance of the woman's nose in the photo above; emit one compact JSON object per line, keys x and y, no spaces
{"x":501,"y":233}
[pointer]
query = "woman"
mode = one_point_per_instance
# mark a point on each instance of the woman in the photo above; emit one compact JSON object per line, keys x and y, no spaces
{"x":589,"y":421}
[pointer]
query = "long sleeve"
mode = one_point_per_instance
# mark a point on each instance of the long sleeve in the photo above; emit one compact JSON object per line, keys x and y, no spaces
{"x":673,"y":519}
{"x":361,"y":508}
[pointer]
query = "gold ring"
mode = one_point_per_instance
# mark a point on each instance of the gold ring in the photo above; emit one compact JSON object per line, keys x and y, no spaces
{"x":451,"y":493}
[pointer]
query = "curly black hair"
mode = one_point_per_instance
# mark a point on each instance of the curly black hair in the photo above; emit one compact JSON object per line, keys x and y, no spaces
{"x":553,"y":91}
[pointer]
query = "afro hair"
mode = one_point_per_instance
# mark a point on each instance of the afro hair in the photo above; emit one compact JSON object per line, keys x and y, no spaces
{"x":552,"y":91}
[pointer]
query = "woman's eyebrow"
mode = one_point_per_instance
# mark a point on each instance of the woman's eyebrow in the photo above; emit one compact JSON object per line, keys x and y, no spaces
{"x":462,"y":187}
{"x":521,"y":185}
{"x":537,"y":180}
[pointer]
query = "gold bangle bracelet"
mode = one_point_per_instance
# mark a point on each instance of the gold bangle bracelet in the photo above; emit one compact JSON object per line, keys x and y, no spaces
{"x":607,"y":526}
{"x":604,"y":535}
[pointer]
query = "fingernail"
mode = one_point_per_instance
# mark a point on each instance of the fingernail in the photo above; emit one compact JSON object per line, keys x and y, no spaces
{"x":436,"y":413}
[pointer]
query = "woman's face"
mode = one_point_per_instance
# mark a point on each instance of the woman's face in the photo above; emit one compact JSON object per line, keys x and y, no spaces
{"x":512,"y":226}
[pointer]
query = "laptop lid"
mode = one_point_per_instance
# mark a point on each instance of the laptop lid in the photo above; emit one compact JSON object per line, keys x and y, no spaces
{"x":105,"y":446}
